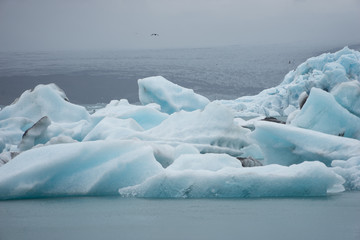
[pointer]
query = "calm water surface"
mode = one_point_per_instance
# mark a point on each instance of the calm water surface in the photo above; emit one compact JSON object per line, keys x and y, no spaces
{"x":90,"y":77}
{"x":334,"y":217}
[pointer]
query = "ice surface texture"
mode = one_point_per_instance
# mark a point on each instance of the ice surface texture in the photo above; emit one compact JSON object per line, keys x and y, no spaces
{"x":86,"y":168}
{"x":171,"y":97}
{"x":307,"y":179}
{"x":323,"y":113}
{"x":177,"y":144}
{"x":325,"y":72}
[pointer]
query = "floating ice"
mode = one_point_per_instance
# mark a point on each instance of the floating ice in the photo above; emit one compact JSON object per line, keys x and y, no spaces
{"x":171,"y":97}
{"x":350,"y":171}
{"x":87,"y":168}
{"x":113,"y":128}
{"x":210,"y":130}
{"x":347,"y":94}
{"x":306,"y":179}
{"x":45,"y":100}
{"x":178,"y":144}
{"x":12,"y":129}
{"x":324,"y":71}
{"x":146,"y":116}
{"x":287,"y":145}
{"x":209,"y":162}
{"x":323,"y":113}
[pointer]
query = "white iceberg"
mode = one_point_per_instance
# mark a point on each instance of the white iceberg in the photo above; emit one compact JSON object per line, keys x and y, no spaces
{"x":287,"y":145}
{"x":45,"y":100}
{"x":12,"y":130}
{"x":171,"y":97}
{"x":324,"y":71}
{"x":210,"y":130}
{"x":208,"y":162}
{"x":113,"y":128}
{"x":87,"y":168}
{"x":178,"y":144}
{"x":147,"y":116}
{"x":323,"y":113}
{"x":347,"y":94}
{"x":350,"y":171}
{"x":304,"y":180}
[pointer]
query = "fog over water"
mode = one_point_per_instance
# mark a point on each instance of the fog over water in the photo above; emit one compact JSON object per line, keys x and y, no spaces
{"x":121,"y":24}
{"x":89,"y":77}
{"x":96,"y":50}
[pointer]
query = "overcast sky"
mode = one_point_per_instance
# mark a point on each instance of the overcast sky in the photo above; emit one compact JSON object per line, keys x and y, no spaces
{"x":119,"y":24}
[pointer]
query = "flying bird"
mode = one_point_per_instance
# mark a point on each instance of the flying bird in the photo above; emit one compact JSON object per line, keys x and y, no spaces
{"x":154,"y":35}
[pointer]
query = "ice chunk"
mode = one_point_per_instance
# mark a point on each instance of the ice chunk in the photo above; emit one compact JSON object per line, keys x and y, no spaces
{"x":60,"y":140}
{"x":306,"y":179}
{"x":185,"y":149}
{"x":210,"y":130}
{"x":350,"y":171}
{"x":12,"y":129}
{"x":87,"y":168}
{"x":165,"y":154}
{"x":348,"y":95}
{"x":171,"y":97}
{"x":287,"y":145}
{"x":324,"y":71}
{"x":45,"y":100}
{"x":290,"y":109}
{"x":75,"y":130}
{"x":146,"y":116}
{"x":33,"y":135}
{"x":322,"y":113}
{"x":113,"y":128}
{"x":210,"y":162}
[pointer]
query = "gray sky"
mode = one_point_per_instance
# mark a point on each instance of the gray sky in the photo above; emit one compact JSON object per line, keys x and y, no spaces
{"x":119,"y":24}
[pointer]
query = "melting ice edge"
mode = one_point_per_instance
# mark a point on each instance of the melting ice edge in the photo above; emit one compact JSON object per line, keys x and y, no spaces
{"x":178,"y":144}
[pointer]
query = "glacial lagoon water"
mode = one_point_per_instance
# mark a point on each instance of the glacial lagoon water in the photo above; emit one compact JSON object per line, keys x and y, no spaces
{"x":90,"y":77}
{"x":325,"y":218}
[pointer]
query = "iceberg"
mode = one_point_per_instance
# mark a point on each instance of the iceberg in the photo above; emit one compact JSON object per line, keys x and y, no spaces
{"x":325,"y":72}
{"x":12,"y":130}
{"x":178,"y":144}
{"x":147,"y":116}
{"x":350,"y":171}
{"x":77,"y":169}
{"x":287,"y":145}
{"x":45,"y":100}
{"x":211,"y":130}
{"x":171,"y":97}
{"x":347,"y":94}
{"x":303,"y":180}
{"x":323,"y":113}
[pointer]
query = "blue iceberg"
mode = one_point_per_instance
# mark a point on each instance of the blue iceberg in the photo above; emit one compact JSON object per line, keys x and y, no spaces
{"x":178,"y":144}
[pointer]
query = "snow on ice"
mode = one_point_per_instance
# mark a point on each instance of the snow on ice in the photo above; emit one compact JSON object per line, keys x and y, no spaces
{"x":178,"y":144}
